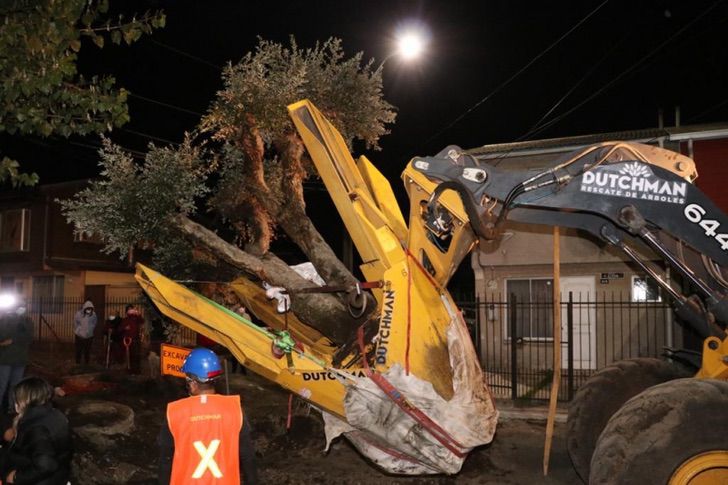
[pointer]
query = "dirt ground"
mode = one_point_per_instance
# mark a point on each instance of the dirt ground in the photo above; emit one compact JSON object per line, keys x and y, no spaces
{"x":284,"y":457}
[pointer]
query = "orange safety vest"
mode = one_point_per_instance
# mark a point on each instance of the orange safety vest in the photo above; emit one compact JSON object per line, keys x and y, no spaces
{"x":206,"y":431}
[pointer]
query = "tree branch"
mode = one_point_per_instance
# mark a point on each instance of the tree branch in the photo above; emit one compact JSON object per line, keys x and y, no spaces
{"x":322,"y":311}
{"x":292,"y":218}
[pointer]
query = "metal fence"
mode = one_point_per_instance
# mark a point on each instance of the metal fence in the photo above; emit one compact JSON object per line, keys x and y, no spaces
{"x":53,"y":318}
{"x":514,"y":339}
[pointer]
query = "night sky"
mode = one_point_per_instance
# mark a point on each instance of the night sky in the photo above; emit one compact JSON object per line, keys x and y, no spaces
{"x":635,"y":57}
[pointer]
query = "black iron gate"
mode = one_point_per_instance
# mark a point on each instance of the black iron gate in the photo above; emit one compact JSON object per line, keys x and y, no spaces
{"x":514,"y":339}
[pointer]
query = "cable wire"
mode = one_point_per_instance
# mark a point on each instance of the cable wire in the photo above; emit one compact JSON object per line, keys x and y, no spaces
{"x":628,"y":70}
{"x":134,"y":153}
{"x":518,"y":73}
{"x":569,"y":92}
{"x":185,"y":54}
{"x":167,"y":105}
{"x":151,"y":137}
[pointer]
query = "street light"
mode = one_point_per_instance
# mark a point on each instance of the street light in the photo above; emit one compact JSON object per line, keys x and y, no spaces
{"x":410,"y":44}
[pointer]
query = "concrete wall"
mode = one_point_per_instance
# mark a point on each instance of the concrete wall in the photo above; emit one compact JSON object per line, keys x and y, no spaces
{"x":620,"y":328}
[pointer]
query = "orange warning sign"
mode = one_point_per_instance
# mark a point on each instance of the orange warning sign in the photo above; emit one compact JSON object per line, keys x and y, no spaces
{"x":172,"y":359}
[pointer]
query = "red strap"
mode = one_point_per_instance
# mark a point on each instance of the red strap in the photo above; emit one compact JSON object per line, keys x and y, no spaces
{"x":362,"y":349}
{"x":367,"y":285}
{"x":390,"y":451}
{"x":415,"y":413}
{"x":364,"y":285}
{"x":398,"y":398}
{"x":410,"y":256}
{"x":422,"y":268}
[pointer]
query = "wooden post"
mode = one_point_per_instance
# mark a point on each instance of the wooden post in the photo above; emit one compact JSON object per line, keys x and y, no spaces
{"x":514,"y":353}
{"x":557,"y":353}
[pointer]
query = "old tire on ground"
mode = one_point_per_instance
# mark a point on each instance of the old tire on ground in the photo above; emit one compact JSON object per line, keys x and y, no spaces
{"x":673,"y":433}
{"x":603,"y":394}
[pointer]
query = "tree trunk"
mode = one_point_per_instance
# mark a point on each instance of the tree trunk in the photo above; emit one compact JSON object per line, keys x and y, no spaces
{"x":322,"y":311}
{"x":291,"y":216}
{"x":254,"y":212}
{"x":294,"y":221}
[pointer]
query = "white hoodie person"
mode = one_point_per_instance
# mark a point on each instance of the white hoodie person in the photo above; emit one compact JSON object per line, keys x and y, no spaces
{"x":84,"y":324}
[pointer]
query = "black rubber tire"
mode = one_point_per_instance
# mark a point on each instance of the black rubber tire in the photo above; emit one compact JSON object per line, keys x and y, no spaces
{"x":603,"y":394}
{"x":658,"y":430}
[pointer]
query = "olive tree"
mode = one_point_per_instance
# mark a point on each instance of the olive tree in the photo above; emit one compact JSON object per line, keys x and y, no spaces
{"x":213,"y":205}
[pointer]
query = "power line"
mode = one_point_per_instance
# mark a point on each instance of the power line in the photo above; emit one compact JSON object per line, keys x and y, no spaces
{"x":569,"y":92}
{"x":185,"y":54}
{"x":518,"y":73}
{"x":708,"y":110}
{"x":134,"y":153}
{"x":151,"y":137}
{"x":628,"y":70}
{"x":559,"y":101}
{"x":166,"y":105}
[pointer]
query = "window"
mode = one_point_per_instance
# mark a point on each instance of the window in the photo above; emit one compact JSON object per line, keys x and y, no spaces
{"x":48,"y":293}
{"x":533,"y":308}
{"x":14,"y":230}
{"x":645,"y":288}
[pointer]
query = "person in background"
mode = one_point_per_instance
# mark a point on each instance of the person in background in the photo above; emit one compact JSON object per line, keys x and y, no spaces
{"x":83,"y":329}
{"x":131,"y":331}
{"x":40,"y":448}
{"x":157,"y":335}
{"x":206,"y":437}
{"x":16,"y":334}
{"x":114,"y":336}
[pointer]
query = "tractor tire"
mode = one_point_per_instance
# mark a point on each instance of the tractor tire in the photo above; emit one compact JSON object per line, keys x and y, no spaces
{"x":603,"y":394}
{"x":673,"y":433}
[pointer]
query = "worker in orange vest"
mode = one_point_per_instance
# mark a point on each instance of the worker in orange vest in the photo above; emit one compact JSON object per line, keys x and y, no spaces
{"x":206,"y":438}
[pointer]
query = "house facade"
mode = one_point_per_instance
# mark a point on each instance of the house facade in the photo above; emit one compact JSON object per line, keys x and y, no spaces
{"x":610,"y":309}
{"x":46,"y":260}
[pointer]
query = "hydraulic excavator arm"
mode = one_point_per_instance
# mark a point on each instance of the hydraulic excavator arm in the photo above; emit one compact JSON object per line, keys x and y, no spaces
{"x":623,"y":193}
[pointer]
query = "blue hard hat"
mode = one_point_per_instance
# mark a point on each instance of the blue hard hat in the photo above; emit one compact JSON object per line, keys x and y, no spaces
{"x":202,"y":364}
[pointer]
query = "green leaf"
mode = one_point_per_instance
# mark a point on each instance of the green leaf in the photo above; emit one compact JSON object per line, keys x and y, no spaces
{"x":41,"y":91}
{"x":46,"y":129}
{"x":35,"y":44}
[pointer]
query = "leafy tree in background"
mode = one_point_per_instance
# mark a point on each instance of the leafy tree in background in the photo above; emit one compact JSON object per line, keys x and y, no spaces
{"x":250,"y":167}
{"x":41,"y":91}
